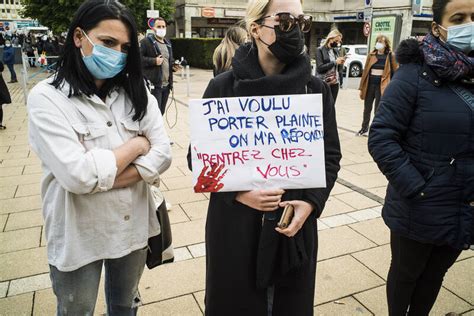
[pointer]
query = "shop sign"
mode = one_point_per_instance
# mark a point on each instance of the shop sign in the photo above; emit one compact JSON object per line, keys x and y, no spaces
{"x":389,"y":26}
{"x":208,"y":12}
{"x":238,"y":13}
{"x":366,"y":29}
{"x":221,"y":21}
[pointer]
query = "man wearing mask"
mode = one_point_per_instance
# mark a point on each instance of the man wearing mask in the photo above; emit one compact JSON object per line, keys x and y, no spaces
{"x":9,"y":60}
{"x":157,"y":57}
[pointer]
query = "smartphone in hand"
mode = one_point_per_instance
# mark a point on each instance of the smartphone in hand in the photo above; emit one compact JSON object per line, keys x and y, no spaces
{"x":286,"y":216}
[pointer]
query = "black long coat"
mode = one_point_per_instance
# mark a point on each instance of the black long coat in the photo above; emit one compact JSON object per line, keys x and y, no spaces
{"x":233,"y":230}
{"x":4,"y":93}
{"x":422,"y":139}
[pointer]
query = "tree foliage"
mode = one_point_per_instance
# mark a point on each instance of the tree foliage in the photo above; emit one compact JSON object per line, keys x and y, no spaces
{"x":57,"y":14}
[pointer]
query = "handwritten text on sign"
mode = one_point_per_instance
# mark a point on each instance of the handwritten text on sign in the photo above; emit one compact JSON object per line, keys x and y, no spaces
{"x":249,"y":143}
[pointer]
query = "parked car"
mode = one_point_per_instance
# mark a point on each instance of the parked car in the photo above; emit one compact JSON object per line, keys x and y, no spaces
{"x":356,"y":59}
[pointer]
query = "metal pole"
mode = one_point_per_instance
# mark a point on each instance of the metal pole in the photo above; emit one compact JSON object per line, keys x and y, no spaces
{"x":24,"y":76}
{"x":187,"y":80}
{"x":346,"y":85}
{"x":152,"y":4}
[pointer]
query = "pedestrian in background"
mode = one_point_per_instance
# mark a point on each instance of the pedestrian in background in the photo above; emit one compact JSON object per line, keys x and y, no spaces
{"x":5,"y":97}
{"x":224,"y":52}
{"x":9,"y":60}
{"x":328,"y":62}
{"x":378,"y":71}
{"x":102,"y":144}
{"x":243,"y":245}
{"x":158,"y":63}
{"x":422,"y":139}
{"x":29,"y":50}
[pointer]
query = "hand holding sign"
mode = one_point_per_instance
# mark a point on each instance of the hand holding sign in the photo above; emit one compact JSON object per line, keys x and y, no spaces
{"x":262,"y":200}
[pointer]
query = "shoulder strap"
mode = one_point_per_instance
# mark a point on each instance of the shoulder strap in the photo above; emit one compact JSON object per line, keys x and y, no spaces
{"x":464,"y":94}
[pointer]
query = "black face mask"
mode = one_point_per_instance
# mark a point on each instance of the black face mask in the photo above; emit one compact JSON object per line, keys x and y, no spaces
{"x":333,"y":44}
{"x":288,"y":45}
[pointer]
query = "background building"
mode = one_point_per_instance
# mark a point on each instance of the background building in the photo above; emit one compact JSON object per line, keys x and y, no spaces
{"x":10,"y":19}
{"x":210,"y":18}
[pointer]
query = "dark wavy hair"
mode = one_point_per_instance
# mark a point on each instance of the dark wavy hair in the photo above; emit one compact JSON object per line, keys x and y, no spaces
{"x":438,"y":9}
{"x":71,"y":68}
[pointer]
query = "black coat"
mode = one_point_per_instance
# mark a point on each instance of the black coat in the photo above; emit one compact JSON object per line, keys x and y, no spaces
{"x":151,"y":71}
{"x":240,"y":252}
{"x":422,"y":139}
{"x":324,"y":63}
{"x":4,"y":93}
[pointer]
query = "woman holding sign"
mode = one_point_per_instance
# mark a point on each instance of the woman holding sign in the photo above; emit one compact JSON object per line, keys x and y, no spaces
{"x":102,"y":143}
{"x":254,"y":267}
{"x":422,"y":139}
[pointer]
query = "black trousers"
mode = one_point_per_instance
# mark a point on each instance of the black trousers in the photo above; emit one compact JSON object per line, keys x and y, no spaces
{"x":161,"y":95}
{"x":334,"y":91}
{"x":373,"y":93}
{"x":416,"y":274}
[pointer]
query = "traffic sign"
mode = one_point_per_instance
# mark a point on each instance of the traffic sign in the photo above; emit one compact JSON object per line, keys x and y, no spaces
{"x":417,"y":6}
{"x":153,"y":14}
{"x":360,"y":16}
{"x":151,"y":23}
{"x":366,"y":29}
{"x":368,"y":14}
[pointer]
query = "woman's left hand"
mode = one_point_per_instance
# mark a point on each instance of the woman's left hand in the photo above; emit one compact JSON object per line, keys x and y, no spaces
{"x":302,"y":211}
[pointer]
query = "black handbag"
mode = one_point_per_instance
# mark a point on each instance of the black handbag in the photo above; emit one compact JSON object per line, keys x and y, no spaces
{"x":160,"y":249}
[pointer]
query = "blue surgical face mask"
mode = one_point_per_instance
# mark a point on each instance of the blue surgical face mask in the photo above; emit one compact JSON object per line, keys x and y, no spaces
{"x":461,"y":36}
{"x":104,"y":62}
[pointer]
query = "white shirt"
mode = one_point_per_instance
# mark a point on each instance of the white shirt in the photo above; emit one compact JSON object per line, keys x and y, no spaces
{"x":85,"y":219}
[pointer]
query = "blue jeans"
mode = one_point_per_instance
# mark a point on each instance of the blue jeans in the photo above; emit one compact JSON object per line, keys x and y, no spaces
{"x":76,"y":291}
{"x":11,"y":67}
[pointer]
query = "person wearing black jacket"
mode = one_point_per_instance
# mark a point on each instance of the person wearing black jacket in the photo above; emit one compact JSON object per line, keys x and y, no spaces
{"x":329,"y":63}
{"x":157,"y":60}
{"x":422,"y":139}
{"x":252,"y":267}
{"x":5,"y":97}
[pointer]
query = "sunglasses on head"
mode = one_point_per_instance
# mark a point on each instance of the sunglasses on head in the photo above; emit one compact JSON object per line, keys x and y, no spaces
{"x":286,"y":21}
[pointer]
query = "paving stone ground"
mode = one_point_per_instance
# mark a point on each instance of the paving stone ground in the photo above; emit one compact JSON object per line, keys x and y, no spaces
{"x":354,"y":254}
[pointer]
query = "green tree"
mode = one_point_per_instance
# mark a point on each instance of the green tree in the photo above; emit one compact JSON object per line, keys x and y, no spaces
{"x":57,"y":14}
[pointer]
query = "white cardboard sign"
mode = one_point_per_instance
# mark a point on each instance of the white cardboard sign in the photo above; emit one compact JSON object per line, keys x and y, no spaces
{"x":248,"y":143}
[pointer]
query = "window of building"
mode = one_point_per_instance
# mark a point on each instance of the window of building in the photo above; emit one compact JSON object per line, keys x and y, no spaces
{"x":209,"y":32}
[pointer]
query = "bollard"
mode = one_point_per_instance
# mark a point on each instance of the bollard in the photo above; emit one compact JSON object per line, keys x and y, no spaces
{"x":24,"y":76}
{"x":187,"y":80}
{"x":346,"y":80}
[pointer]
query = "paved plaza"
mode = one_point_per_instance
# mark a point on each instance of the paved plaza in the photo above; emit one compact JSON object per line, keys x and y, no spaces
{"x":353,"y":257}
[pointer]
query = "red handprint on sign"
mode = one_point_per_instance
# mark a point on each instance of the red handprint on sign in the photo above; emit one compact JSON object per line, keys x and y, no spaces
{"x":209,"y":181}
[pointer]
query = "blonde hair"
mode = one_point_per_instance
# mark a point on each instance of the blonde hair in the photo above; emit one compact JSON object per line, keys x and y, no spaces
{"x":222,"y":57}
{"x":256,"y":10}
{"x":333,"y":34}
